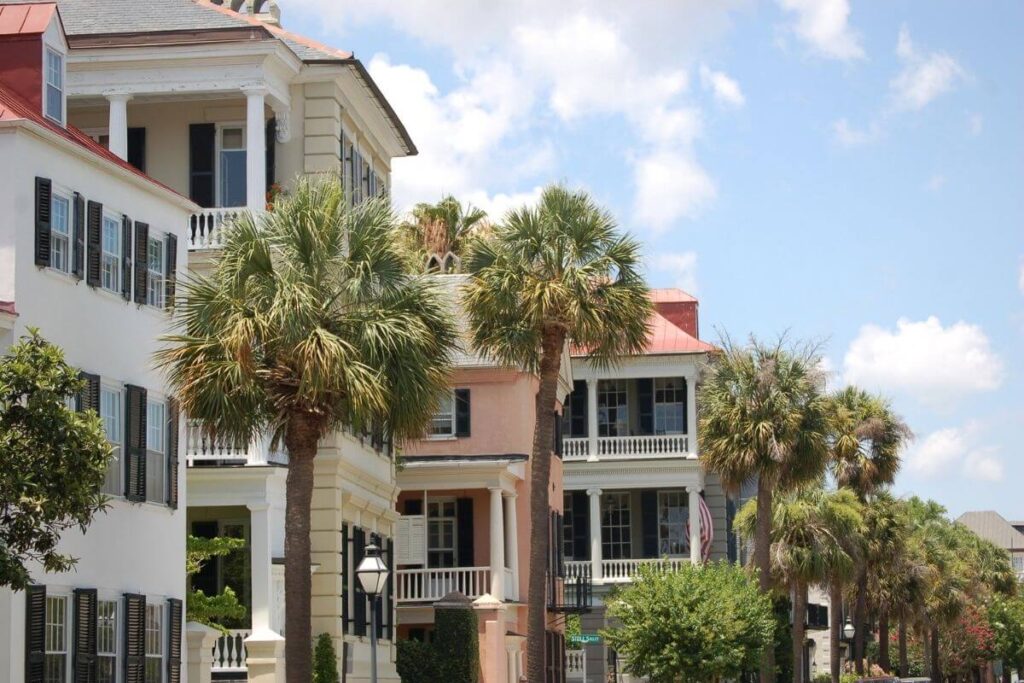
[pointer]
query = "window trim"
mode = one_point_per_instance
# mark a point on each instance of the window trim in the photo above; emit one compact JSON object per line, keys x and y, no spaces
{"x":118,"y":219}
{"x":68,"y":236}
{"x":681,"y":390}
{"x":453,"y":520}
{"x":65,"y":636}
{"x":161,"y":635}
{"x":116,"y":652}
{"x":450,"y":434}
{"x":159,"y":497}
{"x":218,"y":147}
{"x":683,"y":540}
{"x":117,"y":461}
{"x":161,"y":243}
{"x":627,"y":527}
{"x":49,"y":50}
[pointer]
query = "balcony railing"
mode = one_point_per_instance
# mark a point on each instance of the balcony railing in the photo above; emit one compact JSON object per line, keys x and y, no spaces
{"x":430,"y":585}
{"x":625,"y":447}
{"x":206,"y":228}
{"x":204,"y":447}
{"x":622,"y":571}
{"x":576,"y":665}
{"x":229,"y":652}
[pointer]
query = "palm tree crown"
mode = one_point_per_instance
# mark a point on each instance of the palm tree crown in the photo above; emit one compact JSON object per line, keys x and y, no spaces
{"x":867,"y":439}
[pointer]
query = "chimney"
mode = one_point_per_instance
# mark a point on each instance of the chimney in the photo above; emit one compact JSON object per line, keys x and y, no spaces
{"x":682,"y":314}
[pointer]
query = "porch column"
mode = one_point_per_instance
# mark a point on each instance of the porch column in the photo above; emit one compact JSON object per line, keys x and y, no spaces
{"x":512,"y":543}
{"x":259,"y":530}
{"x":255,"y":149}
{"x":694,"y":510}
{"x":592,"y":419}
{"x":691,"y":414}
{"x":595,"y":534}
{"x":497,"y":545}
{"x":117,"y":124}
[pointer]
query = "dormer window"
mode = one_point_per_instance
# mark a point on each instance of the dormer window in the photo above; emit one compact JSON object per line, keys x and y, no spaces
{"x":54,"y":103}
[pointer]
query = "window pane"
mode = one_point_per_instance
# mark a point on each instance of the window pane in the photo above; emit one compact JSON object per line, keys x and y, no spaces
{"x":110,"y":412}
{"x":55,"y":663}
{"x":233,"y":139}
{"x":232,"y":178}
{"x":111,"y":254}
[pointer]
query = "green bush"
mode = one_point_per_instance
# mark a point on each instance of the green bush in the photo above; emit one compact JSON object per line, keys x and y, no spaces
{"x":822,"y":678}
{"x":456,"y":645}
{"x":325,"y":660}
{"x":416,"y":662}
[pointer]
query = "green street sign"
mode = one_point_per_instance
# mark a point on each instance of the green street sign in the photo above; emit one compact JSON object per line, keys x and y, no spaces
{"x":585,"y":639}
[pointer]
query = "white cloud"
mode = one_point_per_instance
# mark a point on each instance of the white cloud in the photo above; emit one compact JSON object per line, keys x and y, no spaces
{"x":975,"y":124}
{"x":499,"y":204}
{"x":935,"y":364}
{"x":848,"y":136}
{"x":670,"y":186}
{"x":924,"y":76}
{"x":953,"y":452}
{"x":680,"y":266}
{"x":936,"y":182}
{"x":725,"y":89}
{"x":823,"y":25}
{"x":983,"y":465}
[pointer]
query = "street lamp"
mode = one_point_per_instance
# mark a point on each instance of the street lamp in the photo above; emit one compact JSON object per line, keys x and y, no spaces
{"x":848,"y":630}
{"x":373,"y":576}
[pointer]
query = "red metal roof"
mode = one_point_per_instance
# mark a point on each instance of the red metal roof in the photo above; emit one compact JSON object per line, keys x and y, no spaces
{"x":671,"y":295}
{"x":663,"y":337}
{"x":27,"y":19}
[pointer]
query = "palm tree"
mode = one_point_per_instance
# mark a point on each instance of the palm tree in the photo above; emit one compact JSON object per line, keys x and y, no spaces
{"x":762,"y":416}
{"x":442,"y":227}
{"x":812,"y":533}
{"x":550,"y":275}
{"x":866,"y":439}
{"x":309,"y":323}
{"x":884,"y":540}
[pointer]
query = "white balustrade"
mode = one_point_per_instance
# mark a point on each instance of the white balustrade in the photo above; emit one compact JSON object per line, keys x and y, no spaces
{"x":229,"y":651}
{"x":576,"y":665}
{"x":430,"y":585}
{"x":623,"y":447}
{"x":620,"y":571}
{"x":576,"y":569}
{"x":204,"y":446}
{"x":575,"y":449}
{"x":206,"y":228}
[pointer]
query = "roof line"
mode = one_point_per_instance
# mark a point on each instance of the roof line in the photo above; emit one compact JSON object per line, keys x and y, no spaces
{"x":367,"y":79}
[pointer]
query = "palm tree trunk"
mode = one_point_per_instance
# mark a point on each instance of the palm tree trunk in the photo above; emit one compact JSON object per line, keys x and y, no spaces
{"x":301,"y":439}
{"x":883,"y":640}
{"x":540,"y":483}
{"x":936,"y":666}
{"x":904,"y":662}
{"x":762,"y":560}
{"x":835,"y":629}
{"x":860,"y":618}
{"x":799,"y":621}
{"x":925,"y":657}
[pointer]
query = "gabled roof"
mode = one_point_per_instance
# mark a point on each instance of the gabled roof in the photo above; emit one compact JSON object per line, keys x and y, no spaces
{"x":665,"y":338}
{"x":26,"y":19}
{"x":991,"y":526}
{"x":667,"y":295}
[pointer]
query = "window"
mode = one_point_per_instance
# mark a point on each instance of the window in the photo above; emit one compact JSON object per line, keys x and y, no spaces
{"x":1018,"y":562}
{"x":616,"y":537}
{"x":232,"y":166}
{"x":568,"y":546}
{"x":106,"y":641}
{"x":54,"y":85}
{"x":55,"y":665}
{"x":612,"y":408}
{"x":111,"y":276}
{"x":443,"y":421}
{"x":672,"y":515}
{"x":60,"y":243}
{"x":669,"y":405}
{"x":110,"y":413}
{"x":156,"y":454}
{"x":441,"y":530}
{"x":155,"y":277}
{"x":154,"y":643}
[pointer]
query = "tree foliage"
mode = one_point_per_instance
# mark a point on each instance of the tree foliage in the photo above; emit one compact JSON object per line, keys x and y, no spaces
{"x":1006,"y":618}
{"x":696,"y":624}
{"x":446,"y":226}
{"x":325,"y":660}
{"x":52,"y":459}
{"x":211,"y":609}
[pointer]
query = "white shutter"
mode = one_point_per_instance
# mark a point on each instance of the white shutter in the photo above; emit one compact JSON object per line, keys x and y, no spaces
{"x":411,"y":540}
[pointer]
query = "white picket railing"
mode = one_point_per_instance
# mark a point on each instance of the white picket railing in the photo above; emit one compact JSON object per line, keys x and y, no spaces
{"x":614,"y":571}
{"x":229,"y":651}
{"x":206,"y":226}
{"x":642,"y":446}
{"x":430,"y":585}
{"x":575,"y":448}
{"x":203,"y":446}
{"x":576,"y":569}
{"x":576,"y":665}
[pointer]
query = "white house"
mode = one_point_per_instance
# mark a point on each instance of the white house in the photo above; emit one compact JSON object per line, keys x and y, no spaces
{"x":89,"y":252}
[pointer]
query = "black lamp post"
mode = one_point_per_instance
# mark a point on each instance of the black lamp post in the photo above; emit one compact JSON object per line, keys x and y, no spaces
{"x":849,"y":631}
{"x":373,"y":576}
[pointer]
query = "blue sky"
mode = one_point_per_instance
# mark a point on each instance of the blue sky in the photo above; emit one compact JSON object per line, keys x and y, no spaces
{"x":849,"y":171}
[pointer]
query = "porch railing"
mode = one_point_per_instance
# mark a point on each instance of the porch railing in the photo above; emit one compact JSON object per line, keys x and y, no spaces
{"x":202,"y":446}
{"x":575,"y":448}
{"x":430,"y":585}
{"x":621,"y":571}
{"x":229,"y":651}
{"x":206,"y":228}
{"x":576,"y":665}
{"x":622,"y":447}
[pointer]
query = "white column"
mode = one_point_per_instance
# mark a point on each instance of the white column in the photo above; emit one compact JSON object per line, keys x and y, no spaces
{"x":497,"y":545}
{"x":595,"y":534}
{"x":694,"y":509}
{"x":262,"y":588}
{"x":117,"y":124}
{"x":255,"y":150}
{"x":592,"y":419}
{"x":691,"y":414}
{"x":512,"y":543}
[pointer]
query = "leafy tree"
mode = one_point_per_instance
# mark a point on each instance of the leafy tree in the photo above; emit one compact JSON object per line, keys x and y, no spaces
{"x":309,"y":323}
{"x":550,"y":275}
{"x":1006,"y":618}
{"x":53,"y":460}
{"x":763,"y":417}
{"x":211,"y":609}
{"x":706,"y":623}
{"x":325,"y":660}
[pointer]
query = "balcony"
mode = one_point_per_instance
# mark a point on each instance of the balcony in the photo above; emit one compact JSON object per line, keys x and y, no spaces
{"x":229,"y":654}
{"x":430,"y":585}
{"x":626,"y":447}
{"x":621,"y":571}
{"x":575,"y":665}
{"x":206,"y":228}
{"x":203,"y":448}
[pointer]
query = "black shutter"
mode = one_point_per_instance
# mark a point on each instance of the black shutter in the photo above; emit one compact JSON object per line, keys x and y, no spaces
{"x":389,"y":594}
{"x":141,"y":261}
{"x":645,"y":399}
{"x":173,"y":640}
{"x":462,"y":412}
{"x":559,"y":547}
{"x":377,"y":603}
{"x":172,"y":453}
{"x":556,"y":447}
{"x":35,"y":634}
{"x":580,"y":525}
{"x":94,"y":240}
{"x":134,"y":638}
{"x":686,"y":414}
{"x":578,"y":409}
{"x":170,"y":269}
{"x":89,"y":399}
{"x":359,"y":597}
{"x":201,"y":142}
{"x":271,"y":141}
{"x":137,"y":148}
{"x":414,"y":506}
{"x":126,"y":258}
{"x":464,"y":532}
{"x":730,"y":531}
{"x":346,"y":577}
{"x":135,"y":444}
{"x":649,"y":521}
{"x":44,"y":197}
{"x":85,"y":636}
{"x":78,"y":237}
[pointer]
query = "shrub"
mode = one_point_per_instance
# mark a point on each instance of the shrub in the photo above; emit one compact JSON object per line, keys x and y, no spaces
{"x":416,"y":662}
{"x":325,"y":660}
{"x":456,"y":643}
{"x":822,"y":678}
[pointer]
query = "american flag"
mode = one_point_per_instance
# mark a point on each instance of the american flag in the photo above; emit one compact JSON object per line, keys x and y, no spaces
{"x":707,"y":530}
